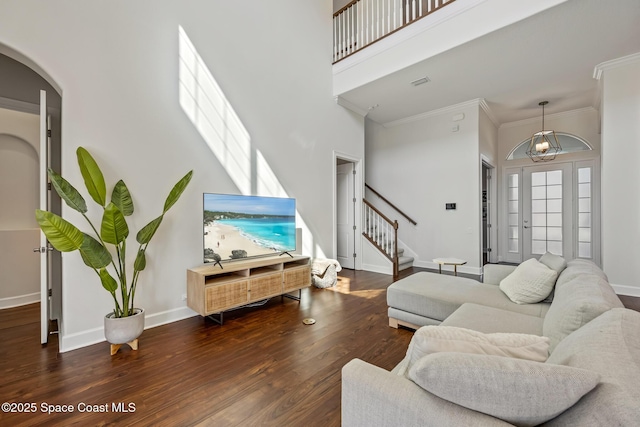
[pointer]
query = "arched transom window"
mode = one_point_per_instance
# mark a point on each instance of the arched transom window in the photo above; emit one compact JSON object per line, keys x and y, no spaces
{"x":569,"y":143}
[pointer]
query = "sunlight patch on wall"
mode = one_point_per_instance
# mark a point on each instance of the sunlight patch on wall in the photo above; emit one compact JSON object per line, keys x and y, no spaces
{"x":269,"y":185}
{"x":210,"y":112}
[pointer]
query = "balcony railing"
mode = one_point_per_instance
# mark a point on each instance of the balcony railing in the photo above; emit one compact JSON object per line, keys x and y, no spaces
{"x":363,"y":22}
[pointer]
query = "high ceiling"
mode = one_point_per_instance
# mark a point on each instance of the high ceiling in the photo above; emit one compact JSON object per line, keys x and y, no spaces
{"x":549,"y":56}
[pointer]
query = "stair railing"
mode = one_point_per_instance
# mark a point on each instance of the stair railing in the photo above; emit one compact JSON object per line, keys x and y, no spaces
{"x":382,"y":233}
{"x":397,"y":209}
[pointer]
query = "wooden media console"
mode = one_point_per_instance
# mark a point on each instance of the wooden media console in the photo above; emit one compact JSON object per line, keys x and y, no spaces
{"x":214,"y":289}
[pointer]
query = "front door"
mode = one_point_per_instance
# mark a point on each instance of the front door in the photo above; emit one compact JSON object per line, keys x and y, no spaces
{"x":547,"y":211}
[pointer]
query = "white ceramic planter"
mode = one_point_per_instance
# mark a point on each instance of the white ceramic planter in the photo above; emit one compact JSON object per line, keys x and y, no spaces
{"x":121,"y":330}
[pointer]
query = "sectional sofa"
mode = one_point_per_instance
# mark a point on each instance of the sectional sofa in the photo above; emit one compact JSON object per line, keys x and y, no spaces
{"x":484,"y":356}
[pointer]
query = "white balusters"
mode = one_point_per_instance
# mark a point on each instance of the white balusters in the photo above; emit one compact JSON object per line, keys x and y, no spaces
{"x":363,"y":22}
{"x":380,"y":231}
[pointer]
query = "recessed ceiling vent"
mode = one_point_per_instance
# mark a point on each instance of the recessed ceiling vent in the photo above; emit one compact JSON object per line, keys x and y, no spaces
{"x":420,"y":81}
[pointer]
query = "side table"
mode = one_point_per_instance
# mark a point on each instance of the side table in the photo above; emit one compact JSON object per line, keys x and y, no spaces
{"x":449,"y":261}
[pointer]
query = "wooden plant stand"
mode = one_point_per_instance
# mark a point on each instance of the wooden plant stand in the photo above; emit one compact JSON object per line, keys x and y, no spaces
{"x":115,"y":347}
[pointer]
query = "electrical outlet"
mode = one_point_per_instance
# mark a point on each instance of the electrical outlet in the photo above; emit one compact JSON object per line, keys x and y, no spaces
{"x":184,"y":297}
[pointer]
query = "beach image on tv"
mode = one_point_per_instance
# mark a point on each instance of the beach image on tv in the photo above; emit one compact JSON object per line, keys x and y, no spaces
{"x":237,"y":226}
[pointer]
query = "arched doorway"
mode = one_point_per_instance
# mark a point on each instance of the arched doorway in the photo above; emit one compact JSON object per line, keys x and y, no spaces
{"x":20,"y":87}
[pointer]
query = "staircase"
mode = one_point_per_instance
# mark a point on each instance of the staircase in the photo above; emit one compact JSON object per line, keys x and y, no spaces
{"x":404,"y":262}
{"x":383,"y":234}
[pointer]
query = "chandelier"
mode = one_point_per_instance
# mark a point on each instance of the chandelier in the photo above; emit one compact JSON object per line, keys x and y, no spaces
{"x":544,"y":145}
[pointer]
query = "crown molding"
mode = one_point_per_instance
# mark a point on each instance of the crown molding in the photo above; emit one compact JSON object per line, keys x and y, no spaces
{"x":440,"y":111}
{"x":485,"y":107}
{"x":599,"y":69}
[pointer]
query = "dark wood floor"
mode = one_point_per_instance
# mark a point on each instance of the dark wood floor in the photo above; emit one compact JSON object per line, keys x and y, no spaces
{"x":263,"y":367}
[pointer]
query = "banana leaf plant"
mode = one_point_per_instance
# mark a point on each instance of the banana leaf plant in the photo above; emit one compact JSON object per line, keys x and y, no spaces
{"x":114,"y":230}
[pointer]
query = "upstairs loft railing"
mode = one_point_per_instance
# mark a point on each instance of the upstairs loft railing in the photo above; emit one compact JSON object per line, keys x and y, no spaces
{"x":363,"y":22}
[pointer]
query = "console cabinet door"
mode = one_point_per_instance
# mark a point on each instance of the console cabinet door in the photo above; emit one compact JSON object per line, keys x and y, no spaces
{"x":265,"y":286}
{"x":224,"y":296}
{"x":296,"y":278}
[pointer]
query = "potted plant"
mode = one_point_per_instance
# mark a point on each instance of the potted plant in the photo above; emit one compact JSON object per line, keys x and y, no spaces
{"x":126,"y":322}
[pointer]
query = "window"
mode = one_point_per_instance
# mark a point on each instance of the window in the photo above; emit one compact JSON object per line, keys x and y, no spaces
{"x":569,"y":143}
{"x":584,"y":213}
{"x":513,"y":212}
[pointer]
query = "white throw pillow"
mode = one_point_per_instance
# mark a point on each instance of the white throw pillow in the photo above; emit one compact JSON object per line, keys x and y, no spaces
{"x":530,"y":282}
{"x":521,"y":392}
{"x":554,"y":262}
{"x":434,"y":339}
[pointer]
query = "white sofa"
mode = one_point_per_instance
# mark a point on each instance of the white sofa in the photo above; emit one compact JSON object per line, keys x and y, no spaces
{"x":589,"y":333}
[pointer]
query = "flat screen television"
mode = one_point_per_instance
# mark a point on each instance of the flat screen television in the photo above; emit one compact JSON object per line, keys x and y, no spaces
{"x":238,"y":226}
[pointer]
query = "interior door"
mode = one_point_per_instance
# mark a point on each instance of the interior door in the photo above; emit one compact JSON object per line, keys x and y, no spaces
{"x":486,"y":214}
{"x":345,"y":215}
{"x":547,"y":210}
{"x":44,"y":205}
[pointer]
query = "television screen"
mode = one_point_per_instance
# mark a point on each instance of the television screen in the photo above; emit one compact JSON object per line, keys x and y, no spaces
{"x":237,"y":226}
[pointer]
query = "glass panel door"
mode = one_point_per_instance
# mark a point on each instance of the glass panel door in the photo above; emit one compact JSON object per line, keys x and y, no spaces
{"x":547,"y":211}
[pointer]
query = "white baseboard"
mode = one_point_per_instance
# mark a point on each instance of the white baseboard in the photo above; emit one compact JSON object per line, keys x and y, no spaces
{"x":19,"y":300}
{"x":96,"y":335}
{"x":631,"y":291}
{"x":378,"y":269}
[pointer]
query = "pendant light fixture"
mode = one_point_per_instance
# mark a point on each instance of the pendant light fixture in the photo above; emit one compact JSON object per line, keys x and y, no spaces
{"x":544,"y":145}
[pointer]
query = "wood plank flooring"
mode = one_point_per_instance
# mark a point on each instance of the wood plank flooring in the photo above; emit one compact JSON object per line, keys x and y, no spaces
{"x":263,"y":367}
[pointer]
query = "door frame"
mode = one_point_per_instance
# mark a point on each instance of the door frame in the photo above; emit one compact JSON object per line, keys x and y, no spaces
{"x":592,"y":162}
{"x":359,"y":191}
{"x":492,"y":189}
{"x":45,"y":299}
{"x":345,"y":224}
{"x":54,"y":159}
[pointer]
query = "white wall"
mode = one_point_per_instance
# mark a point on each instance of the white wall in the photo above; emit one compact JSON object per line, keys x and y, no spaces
{"x":118,"y":70}
{"x":621,"y":177}
{"x":19,"y":147}
{"x":420,"y":166}
{"x":488,"y":138}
